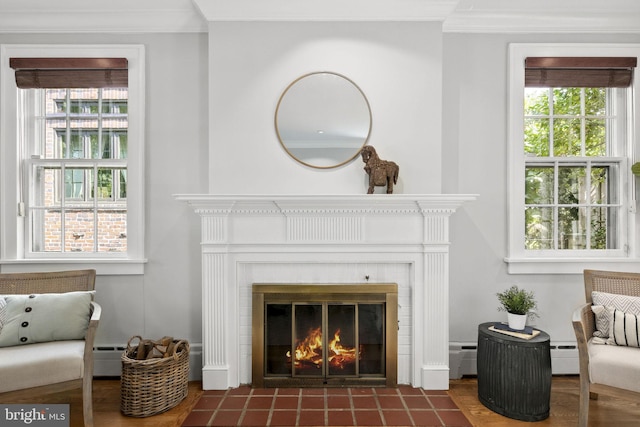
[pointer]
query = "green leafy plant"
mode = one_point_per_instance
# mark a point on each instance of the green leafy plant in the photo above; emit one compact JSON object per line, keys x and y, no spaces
{"x":517,"y":301}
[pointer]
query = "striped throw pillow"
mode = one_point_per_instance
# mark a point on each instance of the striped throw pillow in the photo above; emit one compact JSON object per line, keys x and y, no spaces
{"x":626,"y":303}
{"x":624,"y":329}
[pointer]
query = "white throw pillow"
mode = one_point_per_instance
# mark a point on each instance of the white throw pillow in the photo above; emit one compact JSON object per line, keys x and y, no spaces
{"x":37,"y":318}
{"x":626,"y":303}
{"x":624,"y":329}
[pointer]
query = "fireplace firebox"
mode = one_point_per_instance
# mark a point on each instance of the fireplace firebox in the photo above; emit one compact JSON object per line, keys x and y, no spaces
{"x":324,"y":335}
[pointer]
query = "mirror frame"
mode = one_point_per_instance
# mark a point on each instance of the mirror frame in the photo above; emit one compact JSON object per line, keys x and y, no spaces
{"x":366,"y":101}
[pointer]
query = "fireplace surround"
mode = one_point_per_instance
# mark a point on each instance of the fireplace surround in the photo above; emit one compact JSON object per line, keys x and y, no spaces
{"x":327,"y":239}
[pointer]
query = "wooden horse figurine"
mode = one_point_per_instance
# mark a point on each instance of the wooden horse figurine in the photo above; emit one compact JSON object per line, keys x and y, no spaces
{"x":381,"y":172}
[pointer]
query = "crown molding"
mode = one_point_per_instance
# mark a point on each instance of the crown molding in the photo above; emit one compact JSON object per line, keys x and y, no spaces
{"x":326,"y":10}
{"x":462,"y":22}
{"x":115,"y":16}
{"x":544,"y":16}
{"x":194,"y":16}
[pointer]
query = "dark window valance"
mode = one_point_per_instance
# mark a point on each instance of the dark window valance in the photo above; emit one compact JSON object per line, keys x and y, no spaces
{"x":579,"y":71}
{"x":58,"y":73}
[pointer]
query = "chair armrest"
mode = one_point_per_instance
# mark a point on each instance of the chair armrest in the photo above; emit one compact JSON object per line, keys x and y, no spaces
{"x":583,"y":321}
{"x":96,"y":312}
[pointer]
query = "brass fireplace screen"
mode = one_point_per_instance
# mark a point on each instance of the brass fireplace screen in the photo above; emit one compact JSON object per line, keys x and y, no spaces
{"x":324,"y":335}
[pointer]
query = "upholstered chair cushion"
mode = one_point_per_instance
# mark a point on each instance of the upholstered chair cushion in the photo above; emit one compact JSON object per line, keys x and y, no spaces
{"x":615,"y":366}
{"x":26,"y":366}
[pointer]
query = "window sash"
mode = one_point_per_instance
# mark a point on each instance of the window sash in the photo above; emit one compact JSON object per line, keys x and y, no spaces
{"x":94,"y":208}
{"x":585,"y":206}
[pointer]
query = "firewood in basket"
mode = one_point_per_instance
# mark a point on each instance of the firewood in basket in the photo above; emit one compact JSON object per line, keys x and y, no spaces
{"x":170,"y":348}
{"x":141,"y":352}
{"x":156,"y":352}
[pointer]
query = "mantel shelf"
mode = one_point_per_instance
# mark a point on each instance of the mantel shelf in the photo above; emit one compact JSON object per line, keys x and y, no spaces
{"x":328,"y":202}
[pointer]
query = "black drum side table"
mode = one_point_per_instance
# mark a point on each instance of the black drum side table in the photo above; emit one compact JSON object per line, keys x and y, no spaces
{"x":514,"y":374}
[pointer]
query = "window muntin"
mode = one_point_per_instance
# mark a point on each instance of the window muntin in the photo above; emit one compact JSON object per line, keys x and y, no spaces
{"x":572,"y":179}
{"x":78,"y":170}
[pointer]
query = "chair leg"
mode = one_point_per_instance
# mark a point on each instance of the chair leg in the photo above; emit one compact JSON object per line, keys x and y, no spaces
{"x":87,"y":400}
{"x":583,"y":415}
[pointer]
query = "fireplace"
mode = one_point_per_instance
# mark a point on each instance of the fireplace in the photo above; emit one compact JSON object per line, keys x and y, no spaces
{"x":324,"y":335}
{"x":331,"y":239}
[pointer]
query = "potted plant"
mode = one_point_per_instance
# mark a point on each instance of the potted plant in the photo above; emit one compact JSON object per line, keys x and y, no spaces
{"x":518,"y":304}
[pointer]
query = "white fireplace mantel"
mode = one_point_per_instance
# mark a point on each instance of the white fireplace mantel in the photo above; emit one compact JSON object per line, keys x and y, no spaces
{"x":292,"y":239}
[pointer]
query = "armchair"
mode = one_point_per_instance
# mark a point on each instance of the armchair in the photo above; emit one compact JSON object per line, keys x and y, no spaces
{"x":605,"y":368}
{"x":48,"y":366}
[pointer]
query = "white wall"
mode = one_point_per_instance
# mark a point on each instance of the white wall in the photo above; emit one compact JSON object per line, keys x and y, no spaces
{"x":475,"y":71}
{"x":397,"y":66}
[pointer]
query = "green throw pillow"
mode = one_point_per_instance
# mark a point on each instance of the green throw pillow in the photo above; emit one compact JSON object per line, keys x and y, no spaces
{"x":29,"y":319}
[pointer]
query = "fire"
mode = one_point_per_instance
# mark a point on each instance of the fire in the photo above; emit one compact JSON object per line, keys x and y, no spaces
{"x":340,"y":356}
{"x":309,"y":351}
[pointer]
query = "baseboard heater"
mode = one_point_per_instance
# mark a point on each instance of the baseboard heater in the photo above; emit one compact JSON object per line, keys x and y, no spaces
{"x":462,"y":359}
{"x":107,"y":361}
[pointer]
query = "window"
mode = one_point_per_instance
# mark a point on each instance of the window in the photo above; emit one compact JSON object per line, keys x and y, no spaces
{"x":572,"y":173}
{"x":77,"y":197}
{"x":570,"y":151}
{"x":77,"y":173}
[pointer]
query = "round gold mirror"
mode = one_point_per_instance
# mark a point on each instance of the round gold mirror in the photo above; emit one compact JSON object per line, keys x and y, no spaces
{"x":323,"y":120}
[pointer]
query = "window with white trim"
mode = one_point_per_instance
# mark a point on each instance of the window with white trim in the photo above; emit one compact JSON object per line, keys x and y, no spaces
{"x":76,"y":129}
{"x":570,"y":150}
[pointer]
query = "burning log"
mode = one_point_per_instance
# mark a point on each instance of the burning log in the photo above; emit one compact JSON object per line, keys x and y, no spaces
{"x":308,"y":352}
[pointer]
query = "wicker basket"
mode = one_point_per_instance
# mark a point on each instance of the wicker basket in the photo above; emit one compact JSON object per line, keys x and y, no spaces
{"x":153,"y":386}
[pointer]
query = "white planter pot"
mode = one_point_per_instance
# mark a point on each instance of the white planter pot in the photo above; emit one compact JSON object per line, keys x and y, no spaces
{"x":517,"y":321}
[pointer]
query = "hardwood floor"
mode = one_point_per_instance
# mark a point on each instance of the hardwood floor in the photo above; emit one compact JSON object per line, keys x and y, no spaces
{"x":604,"y":412}
{"x":106,"y":406}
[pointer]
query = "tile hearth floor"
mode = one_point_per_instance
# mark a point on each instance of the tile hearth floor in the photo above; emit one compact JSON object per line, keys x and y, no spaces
{"x":356,"y":406}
